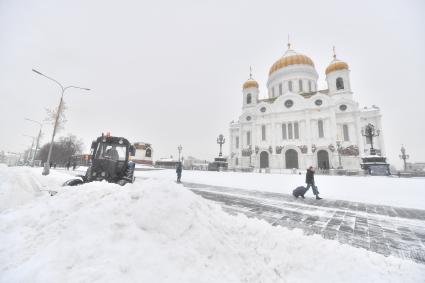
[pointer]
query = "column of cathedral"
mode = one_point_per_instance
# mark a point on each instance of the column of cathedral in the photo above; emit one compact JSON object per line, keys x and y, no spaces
{"x":359,"y":136}
{"x":308,"y":136}
{"x":239,"y":150}
{"x":334,"y":135}
{"x":253,"y":143}
{"x":274,"y":141}
{"x":277,"y":141}
{"x":231,"y":137}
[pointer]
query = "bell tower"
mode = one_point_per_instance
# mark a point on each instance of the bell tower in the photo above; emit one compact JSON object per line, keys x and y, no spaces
{"x":250,"y":92}
{"x":338,"y":76}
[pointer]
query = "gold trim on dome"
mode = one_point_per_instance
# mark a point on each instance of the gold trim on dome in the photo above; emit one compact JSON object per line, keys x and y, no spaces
{"x":338,"y":65}
{"x":290,"y":60}
{"x":250,"y":83}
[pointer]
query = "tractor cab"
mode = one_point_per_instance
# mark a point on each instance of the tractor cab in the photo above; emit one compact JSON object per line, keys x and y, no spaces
{"x":109,"y":161}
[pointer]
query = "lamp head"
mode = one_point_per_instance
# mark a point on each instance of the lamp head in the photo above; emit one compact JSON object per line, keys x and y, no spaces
{"x":35,"y":71}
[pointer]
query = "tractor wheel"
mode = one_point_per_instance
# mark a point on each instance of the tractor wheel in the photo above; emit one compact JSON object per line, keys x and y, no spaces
{"x":73,"y":182}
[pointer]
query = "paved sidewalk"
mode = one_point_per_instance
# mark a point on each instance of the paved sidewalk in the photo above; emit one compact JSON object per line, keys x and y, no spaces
{"x":383,"y":229}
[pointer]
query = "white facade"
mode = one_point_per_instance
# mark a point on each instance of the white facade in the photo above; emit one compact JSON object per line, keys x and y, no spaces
{"x":144,"y":153}
{"x":297,"y":125}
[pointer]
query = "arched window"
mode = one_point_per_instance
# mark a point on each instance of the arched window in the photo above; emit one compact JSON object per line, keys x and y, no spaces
{"x":339,"y":83}
{"x":248,"y":98}
{"x":263,"y":132}
{"x":300,"y":85}
{"x":290,"y":85}
{"x":248,"y":138}
{"x":148,"y":152}
{"x":237,"y":142}
{"x":345,"y":132}
{"x":290,"y":131}
{"x":320,"y":128}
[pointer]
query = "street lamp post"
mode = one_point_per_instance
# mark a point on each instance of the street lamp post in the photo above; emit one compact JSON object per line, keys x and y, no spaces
{"x":179,"y":148}
{"x":46,"y":169}
{"x":369,"y":132}
{"x":404,"y":156}
{"x":37,"y":144}
{"x":221,"y":140}
{"x":339,"y":149}
{"x":28,"y":156}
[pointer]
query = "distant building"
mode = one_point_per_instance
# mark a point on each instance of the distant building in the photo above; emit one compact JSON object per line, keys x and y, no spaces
{"x":192,"y":163}
{"x":81,"y":159}
{"x":298,"y":125}
{"x":144,"y":153}
{"x":166,"y":163}
{"x":415,"y":166}
{"x":12,"y":159}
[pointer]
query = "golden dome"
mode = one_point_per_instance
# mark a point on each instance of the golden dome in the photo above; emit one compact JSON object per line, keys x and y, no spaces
{"x":336,"y":65}
{"x":250,"y":83}
{"x":291,"y":58}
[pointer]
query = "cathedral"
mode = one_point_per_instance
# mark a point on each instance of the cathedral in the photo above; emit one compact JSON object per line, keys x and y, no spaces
{"x":298,"y":125}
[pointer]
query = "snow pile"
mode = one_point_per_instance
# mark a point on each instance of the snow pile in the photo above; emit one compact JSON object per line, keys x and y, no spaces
{"x":18,"y":185}
{"x":157,"y":231}
{"x":11,"y":193}
{"x":402,"y":192}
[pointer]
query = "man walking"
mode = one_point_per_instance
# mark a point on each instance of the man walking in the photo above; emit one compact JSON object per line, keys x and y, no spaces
{"x":309,"y":179}
{"x":179,"y":170}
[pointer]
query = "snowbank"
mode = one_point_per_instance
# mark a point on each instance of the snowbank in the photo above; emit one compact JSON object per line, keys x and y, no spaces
{"x":18,"y":185}
{"x":402,"y":192}
{"x":13,"y":190}
{"x":157,"y":231}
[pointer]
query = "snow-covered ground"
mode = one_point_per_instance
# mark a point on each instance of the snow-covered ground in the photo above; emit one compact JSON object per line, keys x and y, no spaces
{"x":402,"y":192}
{"x":157,"y":231}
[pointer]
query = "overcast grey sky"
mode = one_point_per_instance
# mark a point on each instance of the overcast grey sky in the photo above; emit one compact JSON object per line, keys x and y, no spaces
{"x":171,"y":72}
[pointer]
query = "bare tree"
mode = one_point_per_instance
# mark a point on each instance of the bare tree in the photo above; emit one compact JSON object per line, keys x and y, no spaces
{"x":63,"y":149}
{"x":51,"y":116}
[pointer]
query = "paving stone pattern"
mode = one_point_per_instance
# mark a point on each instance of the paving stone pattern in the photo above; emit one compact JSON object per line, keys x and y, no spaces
{"x":383,"y":229}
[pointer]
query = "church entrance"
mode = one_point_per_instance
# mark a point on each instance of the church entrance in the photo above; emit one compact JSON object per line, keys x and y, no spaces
{"x":291,"y":157}
{"x":322,"y":159}
{"x":264,"y":159}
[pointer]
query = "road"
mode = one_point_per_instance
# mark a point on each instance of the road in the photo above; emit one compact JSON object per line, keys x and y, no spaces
{"x":382,"y":229}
